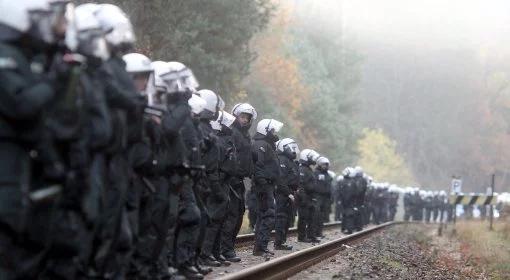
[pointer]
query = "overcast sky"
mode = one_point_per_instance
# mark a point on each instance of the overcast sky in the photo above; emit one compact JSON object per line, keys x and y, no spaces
{"x":430,"y":23}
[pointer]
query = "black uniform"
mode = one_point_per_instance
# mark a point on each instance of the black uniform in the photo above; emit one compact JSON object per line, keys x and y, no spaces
{"x":428,"y":203}
{"x":78,"y":129}
{"x":152,"y":161}
{"x":26,"y":224}
{"x":323,"y":196}
{"x":436,"y":207}
{"x":267,"y":172}
{"x":349,"y":210}
{"x":286,"y":186}
{"x":408,"y":207}
{"x":115,"y":233}
{"x":393,"y":204}
{"x":235,"y":212}
{"x":218,"y":200}
{"x":417,"y":203}
{"x":359,"y":202}
{"x":307,"y":204}
{"x":337,"y":190}
{"x":378,"y":201}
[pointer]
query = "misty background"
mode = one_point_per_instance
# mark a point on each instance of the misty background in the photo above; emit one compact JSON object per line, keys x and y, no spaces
{"x":414,"y":91}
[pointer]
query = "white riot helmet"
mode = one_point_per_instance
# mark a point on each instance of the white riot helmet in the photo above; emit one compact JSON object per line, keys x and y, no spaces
{"x":137,"y":63}
{"x":116,"y":24}
{"x":244,"y":108}
{"x":352,"y":172}
{"x":308,"y":156}
{"x":32,"y":17}
{"x":157,"y":88}
{"x":180,"y":78}
{"x":224,"y":119}
{"x":85,"y":36}
{"x":284,"y":143}
{"x":340,"y":178}
{"x":323,"y":162}
{"x":289,"y":146}
{"x":214,"y":103}
{"x":140,"y":68}
{"x":345,"y":172}
{"x":266,"y":125}
{"x":197,"y":104}
{"x":358,"y":170}
{"x":422,"y":193}
{"x":331,"y":174}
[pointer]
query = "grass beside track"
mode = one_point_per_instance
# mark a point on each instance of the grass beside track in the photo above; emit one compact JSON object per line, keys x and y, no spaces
{"x":489,"y":251}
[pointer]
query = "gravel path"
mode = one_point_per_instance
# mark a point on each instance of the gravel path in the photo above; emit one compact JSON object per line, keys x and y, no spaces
{"x":401,"y":252}
{"x":249,"y":260}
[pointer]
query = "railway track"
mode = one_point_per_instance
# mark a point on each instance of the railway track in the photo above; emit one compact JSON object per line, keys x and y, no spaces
{"x":288,"y":265}
{"x":247,"y":239}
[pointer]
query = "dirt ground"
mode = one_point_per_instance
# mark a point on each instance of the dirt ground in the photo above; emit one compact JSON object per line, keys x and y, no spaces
{"x":402,"y":252}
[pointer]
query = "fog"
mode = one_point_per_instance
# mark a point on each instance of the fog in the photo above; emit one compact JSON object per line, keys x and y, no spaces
{"x":435,"y":76}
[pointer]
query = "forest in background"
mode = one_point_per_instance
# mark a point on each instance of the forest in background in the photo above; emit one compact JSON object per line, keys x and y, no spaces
{"x":408,"y":117}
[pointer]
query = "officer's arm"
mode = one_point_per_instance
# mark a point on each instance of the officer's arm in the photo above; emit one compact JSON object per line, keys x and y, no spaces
{"x":119,"y":96}
{"x":283,"y":180}
{"x":309,"y":183}
{"x":173,"y":121}
{"x":21,"y":99}
{"x":260,"y":159}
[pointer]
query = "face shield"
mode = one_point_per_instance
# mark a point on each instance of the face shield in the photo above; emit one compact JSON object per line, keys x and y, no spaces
{"x":227,"y":119}
{"x":188,"y":80}
{"x":62,"y":17}
{"x":274,"y":126}
{"x":91,"y":43}
{"x":42,"y":26}
{"x":294,"y":146}
{"x":141,"y":81}
{"x":173,"y":82}
{"x":289,"y":149}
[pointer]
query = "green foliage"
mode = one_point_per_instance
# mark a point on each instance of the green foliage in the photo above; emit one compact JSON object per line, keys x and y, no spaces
{"x":379,"y":158}
{"x":211,"y":37}
{"x":330,"y":69}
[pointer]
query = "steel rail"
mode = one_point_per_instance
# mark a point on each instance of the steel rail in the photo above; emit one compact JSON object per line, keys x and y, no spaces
{"x":288,"y":265}
{"x":244,"y":239}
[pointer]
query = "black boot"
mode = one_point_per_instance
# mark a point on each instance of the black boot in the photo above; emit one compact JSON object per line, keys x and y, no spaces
{"x":304,"y":240}
{"x":190,"y":272}
{"x":209,"y":261}
{"x":202,"y":269}
{"x":231,"y":257}
{"x":282,"y":247}
{"x":222,"y":260}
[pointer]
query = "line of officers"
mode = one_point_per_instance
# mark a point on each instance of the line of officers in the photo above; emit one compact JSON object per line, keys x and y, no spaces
{"x":426,"y":206}
{"x":114,"y":166}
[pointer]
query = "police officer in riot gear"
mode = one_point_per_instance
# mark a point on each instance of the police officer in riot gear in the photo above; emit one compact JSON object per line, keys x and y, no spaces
{"x":218,"y":200}
{"x":140,"y":157}
{"x":126,"y":105}
{"x":245,"y":115}
{"x":176,"y":208}
{"x":307,"y":203}
{"x":28,"y":36}
{"x":322,"y":194}
{"x":267,"y":174}
{"x":393,"y":202}
{"x":359,"y":198}
{"x":349,"y":203}
{"x":285,"y":190}
{"x":336,"y":196}
{"x":213,"y":193}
